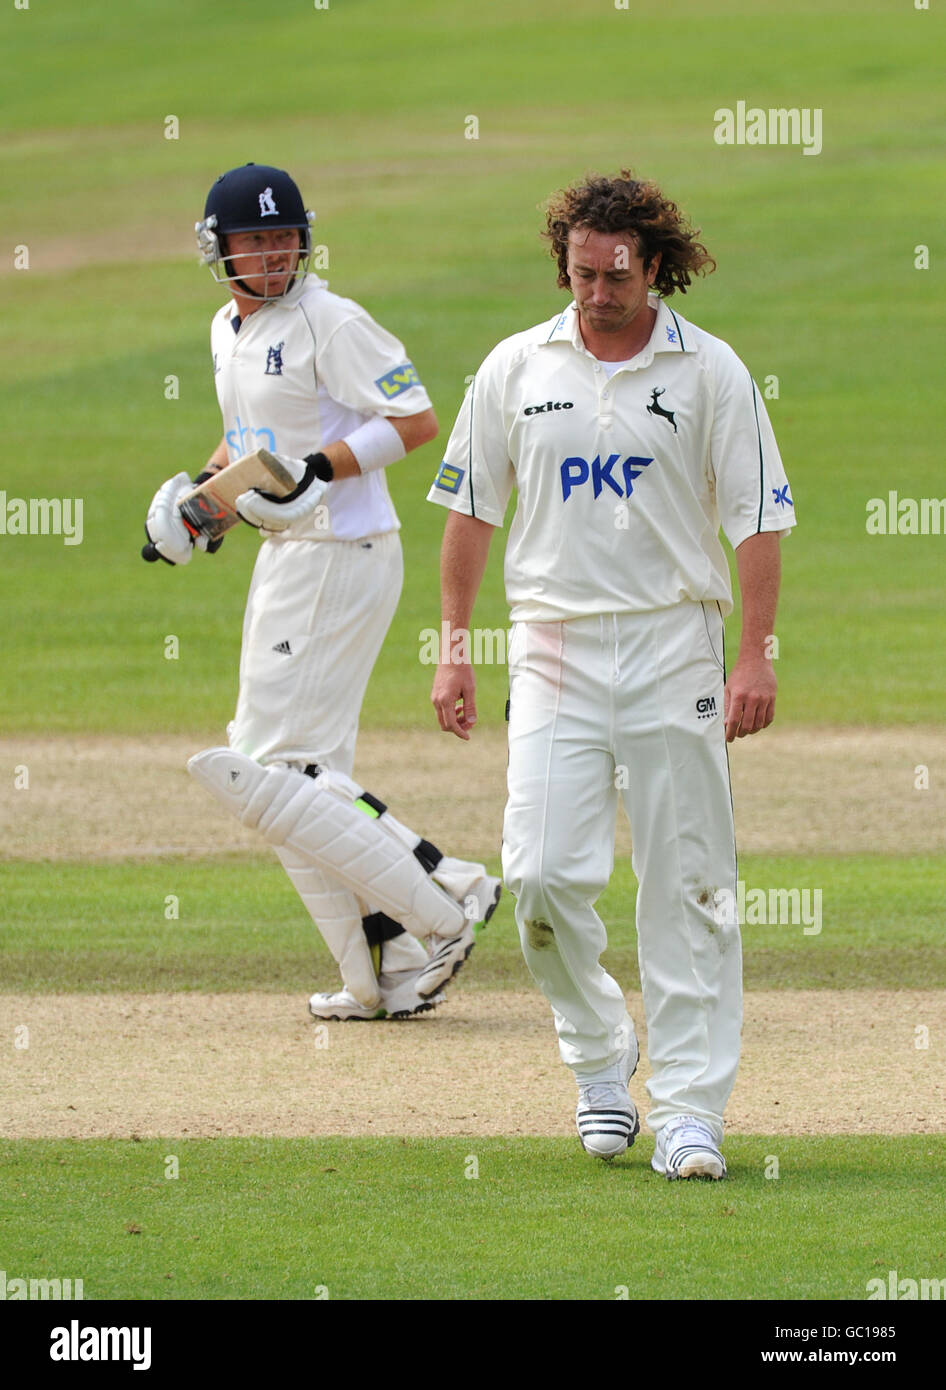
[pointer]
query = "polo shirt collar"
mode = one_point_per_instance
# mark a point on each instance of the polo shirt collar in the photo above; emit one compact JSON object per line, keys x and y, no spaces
{"x":291,"y":297}
{"x":669,"y":334}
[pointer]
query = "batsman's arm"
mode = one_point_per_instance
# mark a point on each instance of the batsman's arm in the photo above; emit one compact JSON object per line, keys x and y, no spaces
{"x":377,"y":443}
{"x":411,"y":430}
{"x":463,"y":556}
{"x":415,"y":430}
{"x":218,"y":459}
{"x":750,"y":690}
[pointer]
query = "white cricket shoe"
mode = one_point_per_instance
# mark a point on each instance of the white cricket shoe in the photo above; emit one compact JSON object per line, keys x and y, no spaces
{"x":686,"y":1148}
{"x":447,"y":953}
{"x":399,"y":999}
{"x":606,"y":1116}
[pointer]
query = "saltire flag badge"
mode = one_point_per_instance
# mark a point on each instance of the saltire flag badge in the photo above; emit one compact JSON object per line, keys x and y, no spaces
{"x":449,"y":478}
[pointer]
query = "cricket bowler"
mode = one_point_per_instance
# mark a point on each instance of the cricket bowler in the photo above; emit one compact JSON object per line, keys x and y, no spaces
{"x":631,"y":436}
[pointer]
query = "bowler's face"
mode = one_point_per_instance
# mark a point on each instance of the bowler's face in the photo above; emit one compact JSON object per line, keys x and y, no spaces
{"x":607,"y":278}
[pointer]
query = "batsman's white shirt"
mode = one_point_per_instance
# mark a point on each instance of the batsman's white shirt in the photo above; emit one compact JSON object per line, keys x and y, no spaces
{"x":302,"y":372}
{"x":623,"y":480}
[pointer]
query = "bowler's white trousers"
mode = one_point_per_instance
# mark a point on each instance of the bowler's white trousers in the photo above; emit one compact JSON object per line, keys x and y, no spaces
{"x":629,"y":703}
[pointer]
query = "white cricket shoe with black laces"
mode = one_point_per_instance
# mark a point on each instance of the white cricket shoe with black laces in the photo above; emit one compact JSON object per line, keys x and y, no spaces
{"x":606,"y":1116}
{"x":686,"y":1148}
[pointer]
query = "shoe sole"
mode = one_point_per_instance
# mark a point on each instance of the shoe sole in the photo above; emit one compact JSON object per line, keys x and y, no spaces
{"x":348,"y":1018}
{"x":424,"y":1007}
{"x":477,"y":929}
{"x":694,"y":1177}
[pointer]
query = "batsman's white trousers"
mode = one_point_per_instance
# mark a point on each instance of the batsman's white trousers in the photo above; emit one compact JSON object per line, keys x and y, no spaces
{"x":316,"y":618}
{"x":629,"y":703}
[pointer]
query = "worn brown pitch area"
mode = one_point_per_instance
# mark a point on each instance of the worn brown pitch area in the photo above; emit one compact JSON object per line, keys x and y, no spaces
{"x":796,"y":791}
{"x":485,"y":1063}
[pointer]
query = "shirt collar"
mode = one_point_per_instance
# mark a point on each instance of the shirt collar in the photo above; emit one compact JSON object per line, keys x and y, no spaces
{"x":301,"y":287}
{"x":292,"y":296}
{"x":669,"y":334}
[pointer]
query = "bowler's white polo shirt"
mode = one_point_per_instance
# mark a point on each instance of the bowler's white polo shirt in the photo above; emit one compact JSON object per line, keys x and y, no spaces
{"x":302,"y":372}
{"x":623,"y":482}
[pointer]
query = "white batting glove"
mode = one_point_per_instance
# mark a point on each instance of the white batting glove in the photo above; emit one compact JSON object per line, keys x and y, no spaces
{"x":264,"y":509}
{"x":169,"y":539}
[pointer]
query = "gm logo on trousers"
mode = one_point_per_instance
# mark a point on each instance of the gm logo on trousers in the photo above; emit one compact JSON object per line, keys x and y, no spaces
{"x":577,"y":471}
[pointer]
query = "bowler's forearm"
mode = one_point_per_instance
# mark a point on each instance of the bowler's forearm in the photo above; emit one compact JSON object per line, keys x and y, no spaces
{"x":463,"y":557}
{"x":759,"y":563}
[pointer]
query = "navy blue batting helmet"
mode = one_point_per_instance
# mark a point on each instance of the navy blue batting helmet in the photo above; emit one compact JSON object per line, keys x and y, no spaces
{"x":254,"y":197}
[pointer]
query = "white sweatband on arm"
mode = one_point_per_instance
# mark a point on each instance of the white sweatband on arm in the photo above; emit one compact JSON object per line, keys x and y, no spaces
{"x":375,"y":444}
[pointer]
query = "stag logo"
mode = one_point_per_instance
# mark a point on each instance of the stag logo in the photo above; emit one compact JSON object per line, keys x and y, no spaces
{"x":655,"y":408}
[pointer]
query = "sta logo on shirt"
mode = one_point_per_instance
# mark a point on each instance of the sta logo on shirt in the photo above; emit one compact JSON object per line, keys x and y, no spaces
{"x":575,"y":472}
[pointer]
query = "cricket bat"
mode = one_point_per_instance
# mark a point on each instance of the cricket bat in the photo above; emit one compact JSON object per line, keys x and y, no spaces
{"x":210,"y":508}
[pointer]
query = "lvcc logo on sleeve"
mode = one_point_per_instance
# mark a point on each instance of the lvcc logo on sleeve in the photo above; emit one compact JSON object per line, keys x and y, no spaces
{"x":398,"y":380}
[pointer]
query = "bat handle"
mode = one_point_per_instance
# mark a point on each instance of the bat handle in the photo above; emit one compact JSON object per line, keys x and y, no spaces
{"x":150,"y":552}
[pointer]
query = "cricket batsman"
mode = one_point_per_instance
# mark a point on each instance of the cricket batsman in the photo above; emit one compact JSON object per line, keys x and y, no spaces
{"x":313,"y":379}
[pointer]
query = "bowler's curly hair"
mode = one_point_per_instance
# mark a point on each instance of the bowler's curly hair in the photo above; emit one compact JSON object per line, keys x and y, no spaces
{"x":627,"y":204}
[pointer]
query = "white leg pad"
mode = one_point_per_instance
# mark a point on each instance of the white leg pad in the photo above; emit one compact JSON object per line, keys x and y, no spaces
{"x":317,"y":817}
{"x":402,"y":953}
{"x":336,"y":913}
{"x":458,"y":876}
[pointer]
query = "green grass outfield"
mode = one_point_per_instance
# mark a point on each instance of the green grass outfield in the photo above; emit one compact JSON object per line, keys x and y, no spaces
{"x":98,"y":928}
{"x":469,"y":1219}
{"x":438,"y":236}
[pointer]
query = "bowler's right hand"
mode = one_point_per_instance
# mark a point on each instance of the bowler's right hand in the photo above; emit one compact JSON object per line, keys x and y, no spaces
{"x":454,"y":698}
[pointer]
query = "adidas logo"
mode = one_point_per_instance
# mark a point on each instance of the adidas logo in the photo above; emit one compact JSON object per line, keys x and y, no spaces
{"x":234,"y":775}
{"x":283,"y":648}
